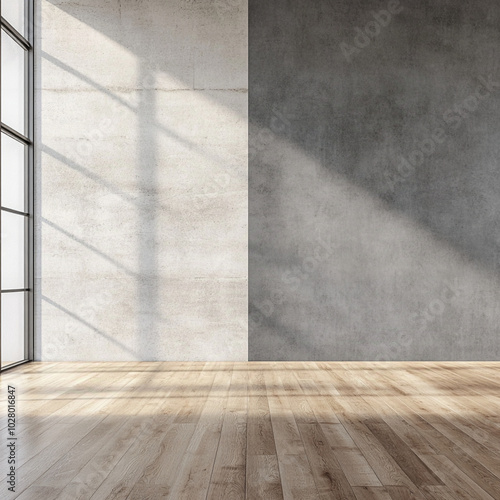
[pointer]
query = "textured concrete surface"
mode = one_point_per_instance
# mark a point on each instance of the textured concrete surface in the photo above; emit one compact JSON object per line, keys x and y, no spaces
{"x":142,"y":184}
{"x":374,"y":180}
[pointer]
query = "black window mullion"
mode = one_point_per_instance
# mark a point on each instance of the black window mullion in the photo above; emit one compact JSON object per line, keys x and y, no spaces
{"x":13,"y":211}
{"x":26,"y":138}
{"x":15,"y":35}
{"x":1,"y":312}
{"x":30,"y":179}
{"x":14,"y":134}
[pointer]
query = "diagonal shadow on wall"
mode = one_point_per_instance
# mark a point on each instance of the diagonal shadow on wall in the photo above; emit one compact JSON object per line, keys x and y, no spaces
{"x":144,"y":145}
{"x":374,"y":188}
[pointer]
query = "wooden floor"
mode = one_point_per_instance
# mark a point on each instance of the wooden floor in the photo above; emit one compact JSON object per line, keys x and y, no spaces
{"x":365,"y":431}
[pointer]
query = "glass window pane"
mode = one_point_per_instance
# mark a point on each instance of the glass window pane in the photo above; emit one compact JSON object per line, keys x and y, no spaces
{"x":13,"y":236}
{"x":13,"y":318}
{"x":13,"y":80}
{"x":13,"y":11}
{"x":13,"y":173}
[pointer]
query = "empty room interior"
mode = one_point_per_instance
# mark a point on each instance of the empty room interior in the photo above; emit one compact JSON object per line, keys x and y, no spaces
{"x":250,"y":249}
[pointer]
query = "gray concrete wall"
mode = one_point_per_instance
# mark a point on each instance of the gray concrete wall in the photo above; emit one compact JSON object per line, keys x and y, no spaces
{"x":374,"y":180}
{"x":142,"y":185}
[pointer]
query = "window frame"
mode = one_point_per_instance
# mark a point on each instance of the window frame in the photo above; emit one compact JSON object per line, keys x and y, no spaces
{"x":26,"y":42}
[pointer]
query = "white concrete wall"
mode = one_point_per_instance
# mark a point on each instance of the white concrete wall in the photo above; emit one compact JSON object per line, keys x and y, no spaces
{"x":142,"y":180}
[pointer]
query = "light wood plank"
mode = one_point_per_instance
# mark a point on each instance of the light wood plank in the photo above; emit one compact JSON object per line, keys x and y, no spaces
{"x":263,"y":478}
{"x":371,"y":493}
{"x":277,"y":431}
